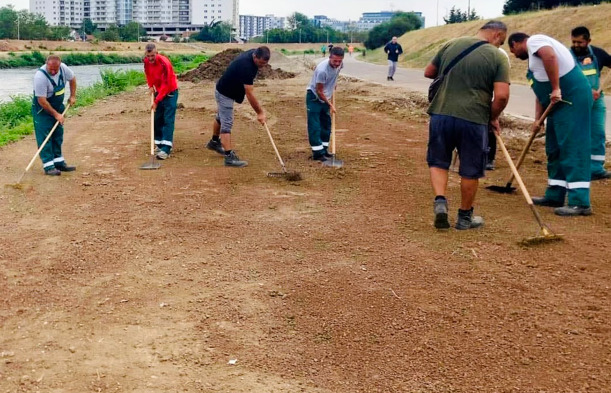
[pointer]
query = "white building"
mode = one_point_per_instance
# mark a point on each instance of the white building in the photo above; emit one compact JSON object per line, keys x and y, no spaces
{"x":254,"y":26}
{"x":157,"y":16}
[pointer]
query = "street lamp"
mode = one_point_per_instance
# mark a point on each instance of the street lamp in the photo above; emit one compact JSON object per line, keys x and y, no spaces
{"x":300,"y":36}
{"x":18,"y":26}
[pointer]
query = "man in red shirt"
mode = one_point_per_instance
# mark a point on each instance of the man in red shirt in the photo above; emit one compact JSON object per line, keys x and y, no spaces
{"x":163,"y":84}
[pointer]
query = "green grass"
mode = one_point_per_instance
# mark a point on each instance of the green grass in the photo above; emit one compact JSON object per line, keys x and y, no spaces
{"x":36,"y":59}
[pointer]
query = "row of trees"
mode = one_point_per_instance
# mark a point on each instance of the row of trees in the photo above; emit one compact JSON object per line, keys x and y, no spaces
{"x":401,"y":23}
{"x":28,"y":26}
{"x":516,"y":6}
{"x":302,"y":29}
{"x":458,"y":16}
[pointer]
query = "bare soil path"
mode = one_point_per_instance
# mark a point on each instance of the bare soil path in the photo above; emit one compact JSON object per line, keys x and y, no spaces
{"x":114,"y":279}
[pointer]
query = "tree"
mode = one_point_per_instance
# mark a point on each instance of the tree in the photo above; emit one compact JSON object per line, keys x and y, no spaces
{"x":8,"y":22}
{"x":111,"y":33}
{"x":298,"y":21}
{"x":516,"y":6}
{"x":215,"y":32}
{"x":88,"y":26}
{"x":458,"y":16}
{"x":131,"y":31}
{"x":400,"y":24}
{"x":58,"y":33}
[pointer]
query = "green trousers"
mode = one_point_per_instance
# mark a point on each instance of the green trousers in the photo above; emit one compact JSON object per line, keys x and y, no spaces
{"x":51,"y":153}
{"x":599,"y":112}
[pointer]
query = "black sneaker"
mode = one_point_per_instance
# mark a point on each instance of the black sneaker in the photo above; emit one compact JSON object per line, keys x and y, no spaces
{"x":216,"y":146}
{"x":391,"y":78}
{"x":65,"y":168}
{"x":567,"y":211}
{"x":319,"y":157}
{"x":543,"y":201}
{"x":601,"y":176}
{"x":440,"y":208}
{"x":466,"y":220}
{"x":232,"y":159}
{"x":52,"y":172}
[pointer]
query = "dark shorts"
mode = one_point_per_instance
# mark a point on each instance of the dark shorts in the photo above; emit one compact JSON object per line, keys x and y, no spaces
{"x":447,"y":133}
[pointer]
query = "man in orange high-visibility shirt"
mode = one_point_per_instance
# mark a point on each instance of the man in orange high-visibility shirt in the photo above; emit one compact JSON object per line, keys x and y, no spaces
{"x":163,"y":84}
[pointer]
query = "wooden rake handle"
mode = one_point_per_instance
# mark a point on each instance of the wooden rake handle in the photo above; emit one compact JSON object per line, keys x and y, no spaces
{"x":533,"y":134}
{"x":271,"y":139}
{"x":514,"y":170}
{"x":42,"y":145}
{"x":333,"y":125}
{"x":152,"y":125}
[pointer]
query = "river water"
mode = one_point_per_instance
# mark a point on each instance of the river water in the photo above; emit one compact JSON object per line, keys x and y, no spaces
{"x":19,"y":80}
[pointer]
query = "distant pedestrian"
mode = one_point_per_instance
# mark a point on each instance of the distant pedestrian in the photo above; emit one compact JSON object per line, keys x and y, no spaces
{"x":329,"y":47}
{"x":236,"y":82}
{"x":319,"y":95}
{"x":350,"y":50}
{"x":163,"y":84}
{"x":47,"y":108}
{"x":323,"y":49}
{"x":591,"y":59}
{"x":461,"y":112}
{"x":394,"y":50}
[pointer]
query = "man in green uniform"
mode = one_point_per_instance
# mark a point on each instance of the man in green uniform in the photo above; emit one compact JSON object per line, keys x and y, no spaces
{"x":557,"y":80}
{"x":47,"y":108}
{"x":591,"y":60}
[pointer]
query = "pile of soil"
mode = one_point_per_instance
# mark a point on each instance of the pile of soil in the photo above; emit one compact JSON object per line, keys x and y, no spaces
{"x":214,"y":68}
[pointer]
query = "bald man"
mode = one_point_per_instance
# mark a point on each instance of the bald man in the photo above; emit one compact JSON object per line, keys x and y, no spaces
{"x":394,"y":50}
{"x":47,"y":108}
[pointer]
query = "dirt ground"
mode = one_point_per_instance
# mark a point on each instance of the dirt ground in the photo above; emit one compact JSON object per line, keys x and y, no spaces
{"x":114,"y":279}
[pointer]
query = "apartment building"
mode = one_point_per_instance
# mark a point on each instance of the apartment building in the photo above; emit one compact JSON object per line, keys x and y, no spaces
{"x":157,"y":16}
{"x":254,"y":26}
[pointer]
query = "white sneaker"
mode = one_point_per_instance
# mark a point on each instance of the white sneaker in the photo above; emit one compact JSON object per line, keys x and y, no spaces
{"x":162,"y":155}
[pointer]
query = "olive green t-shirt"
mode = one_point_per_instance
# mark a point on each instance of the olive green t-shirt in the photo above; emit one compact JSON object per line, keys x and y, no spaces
{"x":466,"y":91}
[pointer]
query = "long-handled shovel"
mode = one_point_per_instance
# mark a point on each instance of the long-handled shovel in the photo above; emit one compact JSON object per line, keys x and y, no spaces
{"x":288,"y":175}
{"x":152,"y":163}
{"x":546,"y":233}
{"x":42,"y":145}
{"x":333,"y":162}
{"x":508,"y":189}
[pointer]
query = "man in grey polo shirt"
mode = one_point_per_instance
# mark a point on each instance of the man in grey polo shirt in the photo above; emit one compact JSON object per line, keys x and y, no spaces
{"x":318,"y":103}
{"x":47,"y":108}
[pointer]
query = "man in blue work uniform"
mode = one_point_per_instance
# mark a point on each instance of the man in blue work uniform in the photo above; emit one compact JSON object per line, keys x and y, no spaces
{"x":591,"y":60}
{"x":47,"y":108}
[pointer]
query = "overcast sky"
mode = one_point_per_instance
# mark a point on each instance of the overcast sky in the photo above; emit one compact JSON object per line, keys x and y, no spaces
{"x":351,"y":9}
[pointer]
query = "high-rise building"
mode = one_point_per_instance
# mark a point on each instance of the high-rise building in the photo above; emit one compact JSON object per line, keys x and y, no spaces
{"x":371,"y":19}
{"x":157,"y":16}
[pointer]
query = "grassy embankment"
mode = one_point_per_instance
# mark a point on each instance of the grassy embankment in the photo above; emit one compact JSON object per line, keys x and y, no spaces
{"x":16,"y":117}
{"x":420,"y":46}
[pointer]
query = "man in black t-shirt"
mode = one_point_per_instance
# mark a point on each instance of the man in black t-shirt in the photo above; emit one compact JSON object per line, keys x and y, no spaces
{"x":236,"y":82}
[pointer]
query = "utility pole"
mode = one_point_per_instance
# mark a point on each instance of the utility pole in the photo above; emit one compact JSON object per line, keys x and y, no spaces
{"x":469,"y":10}
{"x":17,"y":26}
{"x":437,"y":23}
{"x":300,"y":36}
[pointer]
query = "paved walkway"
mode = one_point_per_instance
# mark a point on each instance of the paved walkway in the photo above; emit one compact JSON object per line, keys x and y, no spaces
{"x":521,"y":103}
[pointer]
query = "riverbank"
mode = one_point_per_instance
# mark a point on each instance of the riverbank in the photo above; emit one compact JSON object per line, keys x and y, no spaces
{"x":36,"y":58}
{"x":16,"y":117}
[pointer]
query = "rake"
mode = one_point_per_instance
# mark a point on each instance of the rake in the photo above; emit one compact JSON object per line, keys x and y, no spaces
{"x":508,"y":189}
{"x":288,"y":175}
{"x":546,"y":236}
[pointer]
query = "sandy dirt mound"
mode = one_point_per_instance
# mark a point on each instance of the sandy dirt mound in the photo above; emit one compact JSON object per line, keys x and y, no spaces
{"x":214,"y":68}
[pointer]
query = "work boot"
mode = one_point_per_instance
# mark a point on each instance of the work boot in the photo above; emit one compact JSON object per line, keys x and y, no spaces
{"x":601,"y":176}
{"x":391,"y":78}
{"x":466,"y":220}
{"x":216,"y":146}
{"x":62,"y":166}
{"x":573,"y":211}
{"x":440,"y":208}
{"x":320,"y":157}
{"x":162,"y":155}
{"x":490,"y":165}
{"x":52,"y":171}
{"x":232,"y":159}
{"x":543,"y":201}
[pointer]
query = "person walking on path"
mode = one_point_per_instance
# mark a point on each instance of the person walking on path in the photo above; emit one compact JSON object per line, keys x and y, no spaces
{"x":163,"y":84}
{"x":350,"y":49}
{"x":47,"y":108}
{"x":319,"y":95}
{"x":394,"y":50}
{"x":461,"y":112}
{"x":557,"y":80}
{"x":236,"y":82}
{"x":591,"y":59}
{"x":323,"y":49}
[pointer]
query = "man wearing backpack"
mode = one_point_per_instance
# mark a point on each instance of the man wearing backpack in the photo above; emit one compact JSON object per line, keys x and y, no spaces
{"x":461,"y":112}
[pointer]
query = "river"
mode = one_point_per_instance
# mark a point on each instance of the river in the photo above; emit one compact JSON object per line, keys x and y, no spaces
{"x":19,"y":80}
